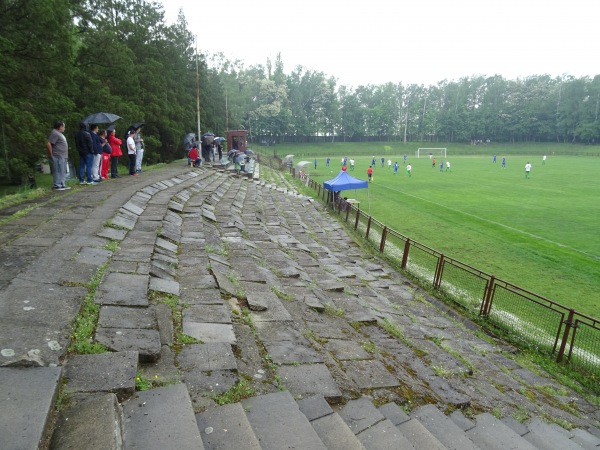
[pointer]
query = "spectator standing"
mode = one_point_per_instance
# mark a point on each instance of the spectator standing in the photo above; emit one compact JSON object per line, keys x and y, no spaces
{"x":131,"y":153}
{"x":106,"y":152}
{"x":139,"y":149}
{"x":58,"y":149}
{"x":85,"y":148}
{"x":97,"y":153}
{"x":115,"y":145}
{"x":220,"y":150}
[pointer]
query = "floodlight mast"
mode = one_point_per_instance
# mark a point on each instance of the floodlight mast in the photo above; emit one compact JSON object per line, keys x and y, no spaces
{"x":197,"y":88}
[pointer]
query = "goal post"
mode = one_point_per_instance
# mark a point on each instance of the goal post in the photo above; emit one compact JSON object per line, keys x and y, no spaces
{"x":427,"y":152}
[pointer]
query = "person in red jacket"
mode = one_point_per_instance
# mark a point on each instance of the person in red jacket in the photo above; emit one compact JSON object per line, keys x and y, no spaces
{"x":115,"y":144}
{"x":106,"y":152}
{"x":194,"y":158}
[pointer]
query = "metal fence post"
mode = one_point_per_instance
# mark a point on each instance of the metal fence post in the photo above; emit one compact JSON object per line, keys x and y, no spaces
{"x":405,"y":254}
{"x":565,"y":338}
{"x":486,"y":303}
{"x":383,"y":236}
{"x":437,"y":278}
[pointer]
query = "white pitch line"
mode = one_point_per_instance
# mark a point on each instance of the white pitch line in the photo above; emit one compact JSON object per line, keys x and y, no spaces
{"x":535,"y":236}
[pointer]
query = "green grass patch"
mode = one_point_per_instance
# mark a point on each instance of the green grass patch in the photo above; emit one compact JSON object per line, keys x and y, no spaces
{"x":282,"y":295}
{"x":532,"y":232}
{"x":241,"y":390}
{"x":332,"y":310}
{"x":84,"y":324}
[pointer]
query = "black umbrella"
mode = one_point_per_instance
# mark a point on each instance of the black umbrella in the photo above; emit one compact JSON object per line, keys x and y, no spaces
{"x":249,"y":152}
{"x":231,"y":152}
{"x":137,"y":125}
{"x":101,"y":117}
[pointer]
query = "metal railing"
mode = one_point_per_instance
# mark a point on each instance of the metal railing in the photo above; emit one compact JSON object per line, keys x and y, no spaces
{"x":551,"y":328}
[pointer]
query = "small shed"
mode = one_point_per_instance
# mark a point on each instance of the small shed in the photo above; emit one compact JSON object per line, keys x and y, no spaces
{"x":237,"y":140}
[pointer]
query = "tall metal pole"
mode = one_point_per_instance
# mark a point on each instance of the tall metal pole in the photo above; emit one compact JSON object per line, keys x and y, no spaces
{"x":197,"y":88}
{"x":226,"y":113}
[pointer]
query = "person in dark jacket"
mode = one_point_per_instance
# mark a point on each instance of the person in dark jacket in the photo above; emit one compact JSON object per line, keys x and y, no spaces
{"x":98,"y":143}
{"x":85,"y":148}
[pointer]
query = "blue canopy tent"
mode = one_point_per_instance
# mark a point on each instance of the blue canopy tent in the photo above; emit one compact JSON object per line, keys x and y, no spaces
{"x":344,"y":182}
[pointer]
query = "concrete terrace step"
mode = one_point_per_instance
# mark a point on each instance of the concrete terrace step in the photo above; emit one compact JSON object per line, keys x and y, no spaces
{"x":546,"y":437}
{"x":91,"y":421}
{"x":443,"y":428}
{"x":328,"y":424}
{"x":209,"y":236}
{"x":490,"y":433}
{"x":159,"y":419}
{"x":27,"y":398}
{"x":371,"y":427}
{"x":278,"y":423}
{"x":226,"y":428}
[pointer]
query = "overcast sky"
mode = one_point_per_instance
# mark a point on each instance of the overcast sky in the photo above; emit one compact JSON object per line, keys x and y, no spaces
{"x":419,"y":41}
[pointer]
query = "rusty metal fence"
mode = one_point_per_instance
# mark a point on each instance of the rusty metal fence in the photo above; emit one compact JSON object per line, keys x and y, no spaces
{"x":540,"y":323}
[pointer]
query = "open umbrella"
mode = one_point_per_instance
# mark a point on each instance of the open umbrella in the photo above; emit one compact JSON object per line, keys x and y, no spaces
{"x":231,"y":152}
{"x":249,"y":152}
{"x":101,"y":117}
{"x":188,"y":140}
{"x":220,"y":139}
{"x":137,"y":125}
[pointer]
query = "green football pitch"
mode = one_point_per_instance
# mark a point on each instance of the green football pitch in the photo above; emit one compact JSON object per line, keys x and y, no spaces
{"x":541,"y":233}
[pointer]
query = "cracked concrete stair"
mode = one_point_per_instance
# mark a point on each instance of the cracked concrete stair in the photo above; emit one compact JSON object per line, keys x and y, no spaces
{"x":372,"y":428}
{"x":268,"y":422}
{"x":27,"y":397}
{"x":443,"y":428}
{"x":490,"y":433}
{"x":159,"y":419}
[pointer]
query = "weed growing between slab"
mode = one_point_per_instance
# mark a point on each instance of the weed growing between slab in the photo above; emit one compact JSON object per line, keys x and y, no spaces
{"x":84,"y":324}
{"x":172,"y":301}
{"x":282,"y":295}
{"x":333,"y":310}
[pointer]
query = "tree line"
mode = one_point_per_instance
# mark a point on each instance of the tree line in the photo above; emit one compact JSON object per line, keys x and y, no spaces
{"x":65,"y":59}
